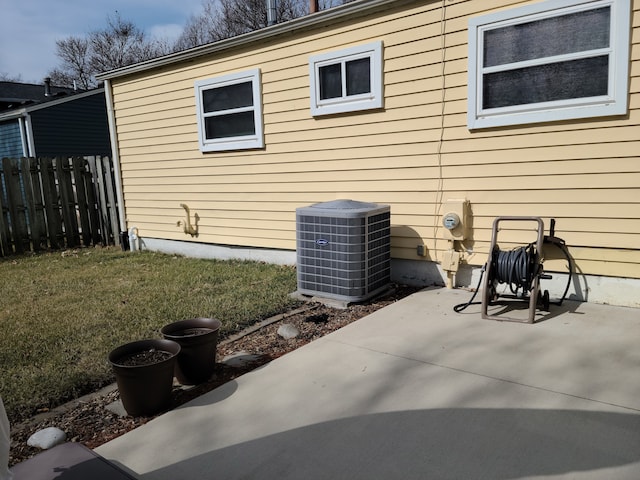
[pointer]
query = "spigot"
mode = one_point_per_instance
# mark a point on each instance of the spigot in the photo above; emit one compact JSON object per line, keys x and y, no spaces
{"x":188,"y":228}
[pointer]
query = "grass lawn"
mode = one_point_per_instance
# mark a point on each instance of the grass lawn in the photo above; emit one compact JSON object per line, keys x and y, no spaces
{"x":63,"y":312}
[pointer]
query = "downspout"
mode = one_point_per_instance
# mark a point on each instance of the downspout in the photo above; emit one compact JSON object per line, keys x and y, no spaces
{"x":28,"y":131}
{"x":111,"y":119}
{"x":23,"y":136}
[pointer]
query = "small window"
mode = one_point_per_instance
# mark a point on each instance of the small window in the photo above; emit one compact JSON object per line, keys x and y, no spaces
{"x":555,"y":60}
{"x":229,"y":112}
{"x":347,"y":80}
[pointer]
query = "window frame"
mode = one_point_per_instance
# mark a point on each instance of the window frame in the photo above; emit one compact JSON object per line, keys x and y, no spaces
{"x":240,"y":142}
{"x":614,"y":103}
{"x":373,"y":99}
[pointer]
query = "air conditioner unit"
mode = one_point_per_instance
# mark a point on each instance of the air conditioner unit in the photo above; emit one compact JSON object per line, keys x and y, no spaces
{"x":343,"y":249}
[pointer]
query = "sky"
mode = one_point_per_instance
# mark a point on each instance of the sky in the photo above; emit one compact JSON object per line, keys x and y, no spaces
{"x":29,"y":28}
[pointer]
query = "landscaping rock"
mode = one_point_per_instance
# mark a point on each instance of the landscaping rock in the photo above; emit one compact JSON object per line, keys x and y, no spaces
{"x":241,"y":359}
{"x":288,"y":331}
{"x":47,"y":438}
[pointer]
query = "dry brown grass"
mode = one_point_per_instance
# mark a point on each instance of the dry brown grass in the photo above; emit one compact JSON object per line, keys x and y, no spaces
{"x":61,"y":313}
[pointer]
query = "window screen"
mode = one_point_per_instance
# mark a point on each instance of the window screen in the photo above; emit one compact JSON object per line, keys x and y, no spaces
{"x":331,"y":81}
{"x":587,"y":77}
{"x":229,"y":112}
{"x":358,"y":76}
{"x":346,"y":80}
{"x":227,"y":98}
{"x":549,"y":61}
{"x":576,"y":32}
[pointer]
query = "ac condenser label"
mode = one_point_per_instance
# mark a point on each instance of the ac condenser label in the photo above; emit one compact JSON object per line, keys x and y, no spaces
{"x":322,"y":242}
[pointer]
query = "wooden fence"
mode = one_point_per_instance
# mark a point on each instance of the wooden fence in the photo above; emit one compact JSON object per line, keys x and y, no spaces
{"x":57,"y":203}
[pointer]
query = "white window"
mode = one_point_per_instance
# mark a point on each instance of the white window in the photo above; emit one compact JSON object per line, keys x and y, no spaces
{"x":229,"y":110}
{"x":347,"y":80}
{"x":555,"y":60}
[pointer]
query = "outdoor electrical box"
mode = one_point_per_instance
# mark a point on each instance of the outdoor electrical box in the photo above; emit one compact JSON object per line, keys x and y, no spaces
{"x":455,"y":219}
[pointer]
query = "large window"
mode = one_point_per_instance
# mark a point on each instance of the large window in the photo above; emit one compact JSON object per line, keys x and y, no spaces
{"x":347,"y":80}
{"x":229,"y":112}
{"x":555,"y":60}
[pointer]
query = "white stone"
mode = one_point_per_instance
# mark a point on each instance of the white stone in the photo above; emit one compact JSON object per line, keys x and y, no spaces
{"x":241,"y":359}
{"x":47,"y":438}
{"x":288,"y":331}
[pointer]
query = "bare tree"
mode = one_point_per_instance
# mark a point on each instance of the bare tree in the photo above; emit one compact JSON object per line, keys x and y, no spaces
{"x":227,"y":18}
{"x":200,"y":29}
{"x":324,"y":4}
{"x":120,"y":44}
{"x":5,"y":77}
{"x":76,"y":63}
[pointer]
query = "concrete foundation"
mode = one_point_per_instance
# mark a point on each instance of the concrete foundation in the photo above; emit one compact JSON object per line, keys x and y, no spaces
{"x":624,"y":292}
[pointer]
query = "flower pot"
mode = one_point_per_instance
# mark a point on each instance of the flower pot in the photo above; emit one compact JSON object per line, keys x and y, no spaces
{"x":198,"y":338}
{"x":144,"y":374}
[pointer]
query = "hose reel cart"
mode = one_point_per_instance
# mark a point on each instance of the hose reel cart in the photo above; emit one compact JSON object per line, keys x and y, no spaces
{"x":520,"y":269}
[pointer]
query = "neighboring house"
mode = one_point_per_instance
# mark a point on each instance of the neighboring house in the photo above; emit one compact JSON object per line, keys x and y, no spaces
{"x":519,"y":107}
{"x":46,"y":121}
{"x":17,"y":94}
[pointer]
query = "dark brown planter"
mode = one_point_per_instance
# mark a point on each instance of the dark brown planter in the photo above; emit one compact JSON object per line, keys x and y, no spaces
{"x":198,"y":338}
{"x":145,"y":388}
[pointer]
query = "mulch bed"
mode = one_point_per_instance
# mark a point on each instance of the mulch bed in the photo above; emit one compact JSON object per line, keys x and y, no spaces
{"x":89,"y":421}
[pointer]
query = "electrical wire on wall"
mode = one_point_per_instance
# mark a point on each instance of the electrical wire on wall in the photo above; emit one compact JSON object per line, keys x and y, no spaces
{"x":440,"y":186}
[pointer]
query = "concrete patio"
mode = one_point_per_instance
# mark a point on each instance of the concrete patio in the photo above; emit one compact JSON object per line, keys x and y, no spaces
{"x":417,"y":391}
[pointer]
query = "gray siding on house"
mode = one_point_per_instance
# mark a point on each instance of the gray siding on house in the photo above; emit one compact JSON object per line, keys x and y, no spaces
{"x":72,"y":128}
{"x":10,"y":140}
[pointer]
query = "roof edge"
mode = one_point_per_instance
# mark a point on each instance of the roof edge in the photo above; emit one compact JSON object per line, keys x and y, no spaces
{"x":25,"y":109}
{"x":330,"y":15}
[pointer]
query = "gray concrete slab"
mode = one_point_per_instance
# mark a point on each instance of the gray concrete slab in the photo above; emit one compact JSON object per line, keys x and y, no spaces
{"x":416,"y":391}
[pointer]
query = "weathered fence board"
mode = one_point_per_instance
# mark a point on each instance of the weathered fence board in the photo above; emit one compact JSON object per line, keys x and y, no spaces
{"x":61,"y":202}
{"x":51,"y":205}
{"x":5,"y":233}
{"x":35,"y":209}
{"x":17,"y":209}
{"x":101,"y":169}
{"x":81,"y":196}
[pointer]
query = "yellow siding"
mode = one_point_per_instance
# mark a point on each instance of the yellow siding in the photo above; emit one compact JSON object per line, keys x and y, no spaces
{"x":414,"y":154}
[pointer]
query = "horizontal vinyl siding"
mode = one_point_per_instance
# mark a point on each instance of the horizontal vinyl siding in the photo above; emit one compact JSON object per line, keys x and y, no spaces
{"x":10,"y":140}
{"x":77,"y":127}
{"x":413,"y":154}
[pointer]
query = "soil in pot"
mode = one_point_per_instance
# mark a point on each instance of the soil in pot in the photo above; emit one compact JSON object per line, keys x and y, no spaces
{"x":146,"y":357}
{"x":144,"y":374}
{"x":198,"y":339}
{"x":192,"y":332}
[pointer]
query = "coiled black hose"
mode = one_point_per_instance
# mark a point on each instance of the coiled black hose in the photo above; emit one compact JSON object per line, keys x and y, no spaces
{"x":514,"y":267}
{"x":517,"y":268}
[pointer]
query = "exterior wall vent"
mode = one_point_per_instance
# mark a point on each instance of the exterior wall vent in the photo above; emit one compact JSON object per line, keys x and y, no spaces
{"x":343,"y":249}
